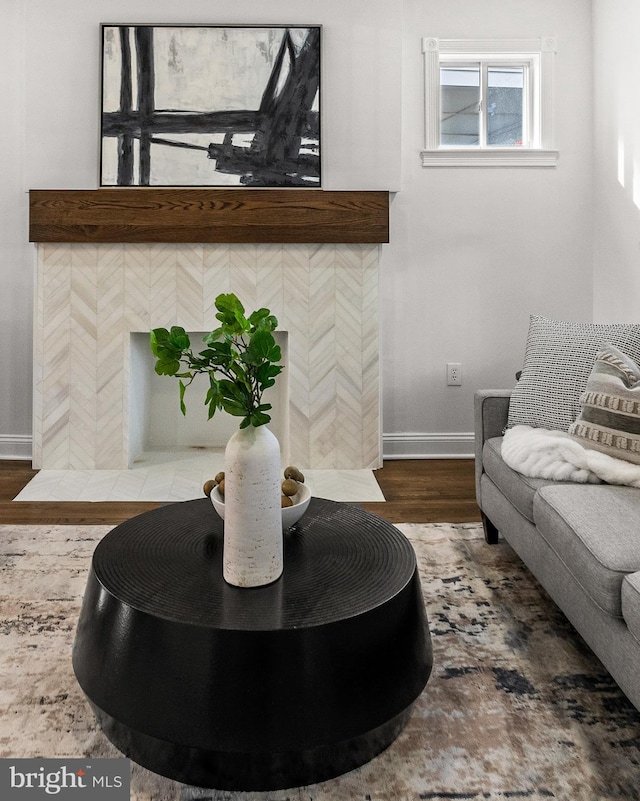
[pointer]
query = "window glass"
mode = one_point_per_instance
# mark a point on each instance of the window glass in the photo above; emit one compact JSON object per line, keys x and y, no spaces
{"x":460,"y":105}
{"x":505,"y":105}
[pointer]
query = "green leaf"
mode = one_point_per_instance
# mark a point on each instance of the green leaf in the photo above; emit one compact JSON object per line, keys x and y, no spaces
{"x":258,"y":418}
{"x":258,"y":315}
{"x":271,"y":370}
{"x":274,"y":354}
{"x":229,"y":305}
{"x":179,"y":337}
{"x":168,"y":347}
{"x":213,"y":398}
{"x":234,"y":407}
{"x":156,"y":337}
{"x":167,"y":367}
{"x":183,"y":388}
{"x":230,"y":389}
{"x":265,"y":375}
{"x":231,"y":313}
{"x":260,"y":345}
{"x":213,"y":336}
{"x":214,"y":394}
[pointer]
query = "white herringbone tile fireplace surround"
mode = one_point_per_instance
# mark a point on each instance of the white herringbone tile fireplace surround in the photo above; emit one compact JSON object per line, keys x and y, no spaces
{"x":91,"y":298}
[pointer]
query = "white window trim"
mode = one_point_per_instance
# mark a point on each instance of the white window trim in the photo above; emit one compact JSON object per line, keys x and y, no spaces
{"x":541,"y":154}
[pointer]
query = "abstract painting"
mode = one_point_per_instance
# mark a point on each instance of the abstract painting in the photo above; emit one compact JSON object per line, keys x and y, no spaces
{"x":210,"y":105}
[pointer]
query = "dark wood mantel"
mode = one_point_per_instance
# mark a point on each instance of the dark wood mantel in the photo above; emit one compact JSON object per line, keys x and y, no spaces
{"x":208,"y":215}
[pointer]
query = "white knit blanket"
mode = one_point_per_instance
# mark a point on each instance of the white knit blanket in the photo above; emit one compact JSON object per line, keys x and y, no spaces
{"x":540,"y":453}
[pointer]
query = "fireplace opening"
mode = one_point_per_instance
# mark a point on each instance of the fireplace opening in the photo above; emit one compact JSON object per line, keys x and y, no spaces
{"x":156,"y":424}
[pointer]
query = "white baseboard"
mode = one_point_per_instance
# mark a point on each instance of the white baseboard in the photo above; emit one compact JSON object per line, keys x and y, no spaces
{"x":394,"y":446}
{"x":16,"y":446}
{"x":428,"y":446}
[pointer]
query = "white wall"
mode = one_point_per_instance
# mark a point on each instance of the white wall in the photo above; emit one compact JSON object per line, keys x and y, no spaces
{"x":475,"y":251}
{"x":360,"y":89}
{"x":50,"y":86}
{"x":617,"y":161}
{"x":16,"y":265}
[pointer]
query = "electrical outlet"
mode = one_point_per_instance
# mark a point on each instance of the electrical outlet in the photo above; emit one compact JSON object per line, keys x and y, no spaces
{"x":454,"y":374}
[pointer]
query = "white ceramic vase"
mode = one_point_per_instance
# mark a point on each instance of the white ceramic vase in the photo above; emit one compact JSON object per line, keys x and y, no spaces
{"x":253,"y":540}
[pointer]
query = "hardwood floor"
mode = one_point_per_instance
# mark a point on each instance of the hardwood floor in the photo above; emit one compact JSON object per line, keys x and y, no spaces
{"x":416,"y":491}
{"x":427,"y":491}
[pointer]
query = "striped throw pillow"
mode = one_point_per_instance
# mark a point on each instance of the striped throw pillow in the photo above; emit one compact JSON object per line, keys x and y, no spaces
{"x":558,"y":358}
{"x":610,"y":418}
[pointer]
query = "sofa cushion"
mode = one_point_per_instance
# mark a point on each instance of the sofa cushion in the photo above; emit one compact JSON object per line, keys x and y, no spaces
{"x":558,"y":359}
{"x":518,"y":489}
{"x":594,"y":530}
{"x":631,"y":603}
{"x":610,"y":418}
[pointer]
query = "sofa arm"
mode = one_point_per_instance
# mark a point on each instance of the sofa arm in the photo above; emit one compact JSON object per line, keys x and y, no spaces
{"x":491,"y":412}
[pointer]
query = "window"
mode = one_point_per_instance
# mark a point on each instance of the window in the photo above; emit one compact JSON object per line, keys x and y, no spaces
{"x":488,"y":103}
{"x":485,"y":104}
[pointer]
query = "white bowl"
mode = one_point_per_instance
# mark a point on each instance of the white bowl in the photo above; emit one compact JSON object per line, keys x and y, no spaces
{"x":290,"y":514}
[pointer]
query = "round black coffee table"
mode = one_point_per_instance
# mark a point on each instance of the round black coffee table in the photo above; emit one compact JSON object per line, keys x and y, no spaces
{"x":252,"y":689}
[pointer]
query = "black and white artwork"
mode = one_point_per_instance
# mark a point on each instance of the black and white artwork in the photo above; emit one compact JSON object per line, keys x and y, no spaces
{"x":210,"y":106}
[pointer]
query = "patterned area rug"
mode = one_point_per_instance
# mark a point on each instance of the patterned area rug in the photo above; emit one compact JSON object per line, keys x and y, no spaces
{"x":517,"y":707}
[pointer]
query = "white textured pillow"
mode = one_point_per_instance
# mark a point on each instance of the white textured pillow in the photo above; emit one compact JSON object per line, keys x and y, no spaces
{"x":558,"y":360}
{"x":610,"y":418}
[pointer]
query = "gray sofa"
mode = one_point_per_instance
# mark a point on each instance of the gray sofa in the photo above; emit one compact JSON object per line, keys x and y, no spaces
{"x":581,"y":541}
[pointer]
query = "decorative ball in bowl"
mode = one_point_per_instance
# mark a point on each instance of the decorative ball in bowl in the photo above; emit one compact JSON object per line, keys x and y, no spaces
{"x":297,"y":502}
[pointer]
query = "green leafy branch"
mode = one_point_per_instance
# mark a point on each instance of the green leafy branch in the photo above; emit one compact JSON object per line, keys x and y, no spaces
{"x":240,"y":358}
